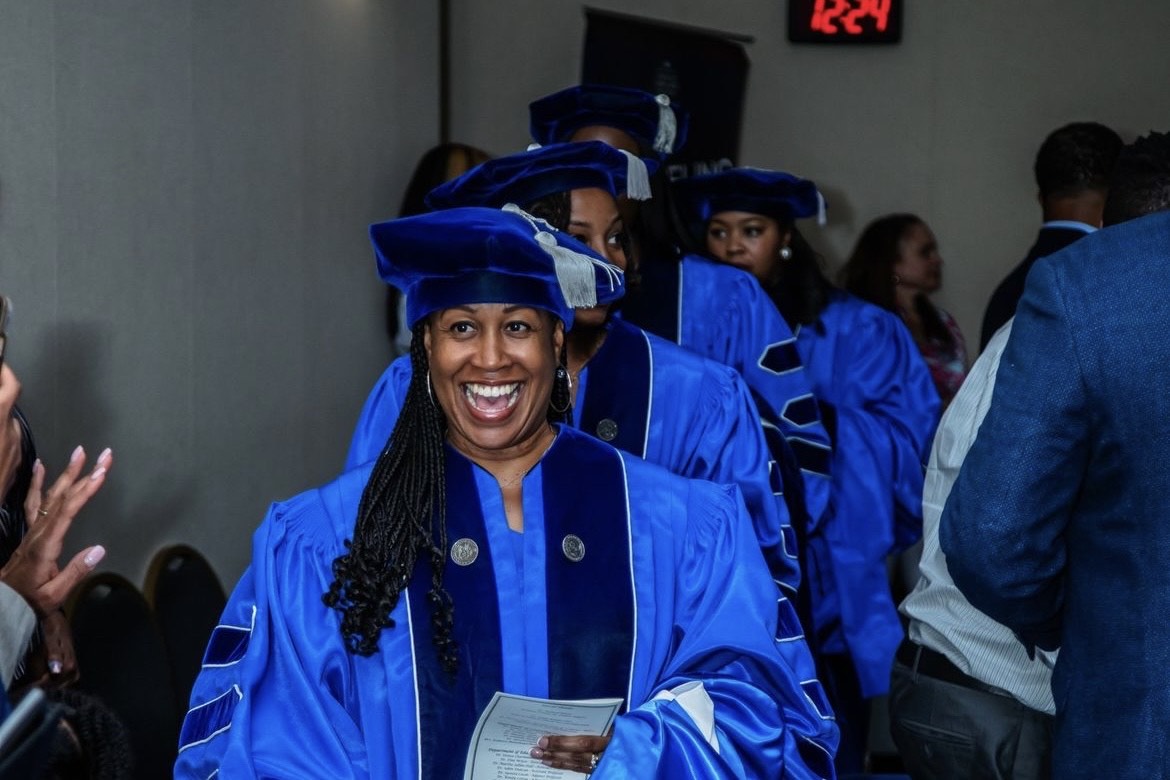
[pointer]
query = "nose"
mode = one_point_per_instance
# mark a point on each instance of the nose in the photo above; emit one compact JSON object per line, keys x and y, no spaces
{"x":491,"y":354}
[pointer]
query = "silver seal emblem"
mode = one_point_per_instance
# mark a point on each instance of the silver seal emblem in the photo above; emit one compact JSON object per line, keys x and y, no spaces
{"x":464,"y":552}
{"x":573,"y":548}
{"x":607,"y":430}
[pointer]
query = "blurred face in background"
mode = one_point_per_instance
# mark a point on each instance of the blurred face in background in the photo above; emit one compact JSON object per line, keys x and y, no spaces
{"x":919,"y":266}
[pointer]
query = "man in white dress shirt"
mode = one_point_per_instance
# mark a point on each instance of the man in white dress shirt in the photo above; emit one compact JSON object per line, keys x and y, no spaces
{"x":965,"y":698}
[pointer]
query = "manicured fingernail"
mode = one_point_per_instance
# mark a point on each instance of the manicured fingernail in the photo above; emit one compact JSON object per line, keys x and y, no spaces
{"x":55,"y":666}
{"x":38,"y":466}
{"x":536,"y":752}
{"x":94,"y":556}
{"x":543,"y":742}
{"x":98,"y":473}
{"x":77,"y":453}
{"x":104,"y":458}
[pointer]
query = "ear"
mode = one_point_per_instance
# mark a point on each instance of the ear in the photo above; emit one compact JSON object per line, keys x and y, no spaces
{"x":558,"y":336}
{"x":785,"y":237}
{"x":427,"y":339}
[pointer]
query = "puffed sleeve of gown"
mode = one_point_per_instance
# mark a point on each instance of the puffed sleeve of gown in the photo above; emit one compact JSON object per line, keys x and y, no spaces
{"x":886,"y":412}
{"x":379,"y":414}
{"x":764,"y":720}
{"x":750,"y":336}
{"x":1003,"y":527}
{"x":270,"y":699}
{"x":885,"y":423}
{"x":729,"y":448}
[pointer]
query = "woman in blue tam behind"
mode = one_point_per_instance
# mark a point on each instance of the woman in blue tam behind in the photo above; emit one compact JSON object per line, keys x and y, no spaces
{"x":880,"y":406}
{"x":640,"y":393}
{"x":489,"y":548}
{"x":716,"y":311}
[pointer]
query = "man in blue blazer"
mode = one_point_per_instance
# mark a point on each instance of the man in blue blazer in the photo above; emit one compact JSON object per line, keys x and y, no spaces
{"x":1058,"y":524}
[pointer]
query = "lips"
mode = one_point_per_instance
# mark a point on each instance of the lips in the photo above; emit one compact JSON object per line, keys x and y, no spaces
{"x":492,"y":401}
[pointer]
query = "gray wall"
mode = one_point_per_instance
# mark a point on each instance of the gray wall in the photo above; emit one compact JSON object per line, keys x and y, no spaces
{"x":945,"y":124}
{"x":184,"y":194}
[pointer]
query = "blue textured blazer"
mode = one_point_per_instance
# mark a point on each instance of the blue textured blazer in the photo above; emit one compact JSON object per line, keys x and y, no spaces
{"x":1059,"y":523}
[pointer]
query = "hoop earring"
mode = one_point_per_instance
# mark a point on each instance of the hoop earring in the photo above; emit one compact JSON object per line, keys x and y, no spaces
{"x":562,"y":379}
{"x":430,"y":394}
{"x":785,"y":253}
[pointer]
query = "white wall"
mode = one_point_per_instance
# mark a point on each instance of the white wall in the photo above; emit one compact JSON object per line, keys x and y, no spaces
{"x":185,"y":189}
{"x":945,"y":124}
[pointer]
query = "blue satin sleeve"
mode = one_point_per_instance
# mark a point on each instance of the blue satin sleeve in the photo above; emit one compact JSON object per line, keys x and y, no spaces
{"x":1006,"y":547}
{"x":716,"y":435}
{"x":886,"y":409}
{"x":379,"y":414}
{"x":713,"y":619}
{"x":275,"y":696}
{"x":729,"y":318}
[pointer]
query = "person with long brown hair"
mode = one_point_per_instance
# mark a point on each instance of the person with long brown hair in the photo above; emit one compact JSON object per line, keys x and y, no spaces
{"x":896,"y":265}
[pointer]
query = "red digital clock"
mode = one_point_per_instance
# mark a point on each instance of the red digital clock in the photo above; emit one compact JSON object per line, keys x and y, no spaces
{"x":844,"y":21}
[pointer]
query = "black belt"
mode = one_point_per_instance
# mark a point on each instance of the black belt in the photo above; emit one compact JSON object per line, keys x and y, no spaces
{"x":923,"y":660}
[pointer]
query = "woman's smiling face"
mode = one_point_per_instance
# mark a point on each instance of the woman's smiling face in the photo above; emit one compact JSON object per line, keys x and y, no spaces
{"x":492,"y":367}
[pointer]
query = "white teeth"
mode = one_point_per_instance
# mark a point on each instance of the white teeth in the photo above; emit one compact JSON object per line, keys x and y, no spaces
{"x":491,"y":391}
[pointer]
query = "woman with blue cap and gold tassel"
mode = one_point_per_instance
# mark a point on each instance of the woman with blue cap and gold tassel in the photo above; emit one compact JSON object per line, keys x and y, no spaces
{"x":489,"y":549}
{"x":640,"y":393}
{"x":879,"y":404}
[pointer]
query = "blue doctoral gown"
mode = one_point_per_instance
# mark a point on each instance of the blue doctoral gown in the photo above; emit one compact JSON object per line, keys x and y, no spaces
{"x":646,"y":396}
{"x":881,"y":406}
{"x":723,"y":314}
{"x":671,"y":589}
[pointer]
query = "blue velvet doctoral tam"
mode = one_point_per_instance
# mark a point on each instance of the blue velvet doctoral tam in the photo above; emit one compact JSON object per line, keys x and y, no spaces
{"x":680,"y":594}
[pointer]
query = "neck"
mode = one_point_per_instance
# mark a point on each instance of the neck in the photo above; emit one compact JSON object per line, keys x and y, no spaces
{"x":904,"y":300}
{"x":1087,"y":207}
{"x":509,"y":464}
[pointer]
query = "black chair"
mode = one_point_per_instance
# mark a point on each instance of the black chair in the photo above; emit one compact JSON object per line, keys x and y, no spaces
{"x":123,"y":661}
{"x":188,"y":600}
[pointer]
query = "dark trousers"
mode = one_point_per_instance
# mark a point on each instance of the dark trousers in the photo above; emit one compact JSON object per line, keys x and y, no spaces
{"x":948,"y":730}
{"x":852,"y":711}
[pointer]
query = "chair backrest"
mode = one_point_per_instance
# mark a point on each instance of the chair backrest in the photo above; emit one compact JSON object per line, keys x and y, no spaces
{"x":123,"y":661}
{"x":188,"y":600}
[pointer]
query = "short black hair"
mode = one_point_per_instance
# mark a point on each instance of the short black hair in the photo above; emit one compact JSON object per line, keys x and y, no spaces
{"x":1075,"y":158}
{"x":1140,"y":183}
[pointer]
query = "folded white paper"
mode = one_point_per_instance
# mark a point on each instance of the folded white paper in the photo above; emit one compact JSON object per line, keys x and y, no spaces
{"x":511,"y":725}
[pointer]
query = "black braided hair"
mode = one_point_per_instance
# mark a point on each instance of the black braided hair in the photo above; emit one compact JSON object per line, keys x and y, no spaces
{"x":402,"y":514}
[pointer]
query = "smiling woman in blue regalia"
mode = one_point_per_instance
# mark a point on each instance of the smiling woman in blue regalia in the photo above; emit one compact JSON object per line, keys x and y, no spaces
{"x":489,"y":549}
{"x":716,"y":311}
{"x":640,"y":393}
{"x":880,"y":407}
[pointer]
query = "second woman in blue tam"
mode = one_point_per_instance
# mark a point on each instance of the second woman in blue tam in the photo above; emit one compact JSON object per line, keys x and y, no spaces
{"x":707,"y":308}
{"x":879,"y":404}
